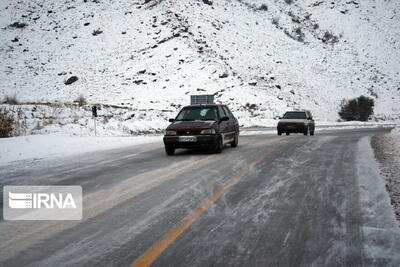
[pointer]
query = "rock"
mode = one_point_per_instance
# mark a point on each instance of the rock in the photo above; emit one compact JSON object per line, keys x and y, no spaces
{"x":18,"y":25}
{"x":224,"y":75}
{"x":253,"y":83}
{"x":97,"y":32}
{"x":71,"y":80}
{"x":142,"y":72}
{"x":278,"y":86}
{"x":208,"y":2}
{"x":253,"y":106}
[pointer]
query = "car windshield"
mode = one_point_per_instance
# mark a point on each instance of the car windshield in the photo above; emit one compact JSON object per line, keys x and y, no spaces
{"x":295,"y":115}
{"x":198,"y":113}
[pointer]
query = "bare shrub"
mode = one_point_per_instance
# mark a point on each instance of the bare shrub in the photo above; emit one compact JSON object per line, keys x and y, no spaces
{"x":11,"y":100}
{"x":81,"y":100}
{"x":299,"y":34}
{"x":330,"y":38}
{"x":6,"y":123}
{"x":275,"y":21}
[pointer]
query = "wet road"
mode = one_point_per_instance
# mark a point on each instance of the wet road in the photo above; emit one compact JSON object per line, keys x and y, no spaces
{"x":272,"y":201}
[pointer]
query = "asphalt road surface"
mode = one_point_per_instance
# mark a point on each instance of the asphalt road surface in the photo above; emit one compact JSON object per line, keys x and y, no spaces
{"x":272,"y":201}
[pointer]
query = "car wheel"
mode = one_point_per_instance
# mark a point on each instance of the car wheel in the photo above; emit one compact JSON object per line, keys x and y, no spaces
{"x":279,"y":133}
{"x":169,"y":150}
{"x":287,"y":133}
{"x":219,"y":146}
{"x":235,"y":141}
{"x":306,"y":131}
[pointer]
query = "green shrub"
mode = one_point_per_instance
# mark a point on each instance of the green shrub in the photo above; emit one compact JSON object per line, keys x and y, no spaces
{"x":357,"y":109}
{"x":263,"y":7}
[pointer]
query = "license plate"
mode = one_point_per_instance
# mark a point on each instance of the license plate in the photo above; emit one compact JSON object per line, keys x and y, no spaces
{"x":187,"y":139}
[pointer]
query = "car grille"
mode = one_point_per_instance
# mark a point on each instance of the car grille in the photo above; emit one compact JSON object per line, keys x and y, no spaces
{"x":188,"y":132}
{"x":293,"y":125}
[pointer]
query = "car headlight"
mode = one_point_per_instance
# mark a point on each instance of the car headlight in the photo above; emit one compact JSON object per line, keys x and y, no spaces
{"x":208,"y":131}
{"x":170,"y":132}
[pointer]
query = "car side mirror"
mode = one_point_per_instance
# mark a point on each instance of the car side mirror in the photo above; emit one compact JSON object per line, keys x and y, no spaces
{"x":171,"y":120}
{"x":225,"y":118}
{"x":280,"y":118}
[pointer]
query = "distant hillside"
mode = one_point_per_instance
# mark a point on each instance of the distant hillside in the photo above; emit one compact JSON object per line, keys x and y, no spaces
{"x":259,"y":57}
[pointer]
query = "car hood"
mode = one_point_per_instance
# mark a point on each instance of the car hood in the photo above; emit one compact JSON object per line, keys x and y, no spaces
{"x":292,"y":121}
{"x":191,"y":125}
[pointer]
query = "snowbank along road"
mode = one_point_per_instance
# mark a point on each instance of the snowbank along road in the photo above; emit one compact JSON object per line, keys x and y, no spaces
{"x":273,"y":201}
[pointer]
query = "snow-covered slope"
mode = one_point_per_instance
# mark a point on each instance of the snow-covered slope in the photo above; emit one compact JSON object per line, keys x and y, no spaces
{"x":259,"y":57}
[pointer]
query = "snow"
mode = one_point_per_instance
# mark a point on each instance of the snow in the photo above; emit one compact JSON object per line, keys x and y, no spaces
{"x":380,"y":230}
{"x":395,"y":137}
{"x":35,"y":147}
{"x":185,"y":46}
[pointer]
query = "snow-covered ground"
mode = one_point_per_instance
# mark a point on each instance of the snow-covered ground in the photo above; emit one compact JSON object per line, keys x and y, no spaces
{"x":149,"y":56}
{"x":387,"y":151}
{"x":381,"y":229}
{"x":39,"y":146}
{"x":35,"y":147}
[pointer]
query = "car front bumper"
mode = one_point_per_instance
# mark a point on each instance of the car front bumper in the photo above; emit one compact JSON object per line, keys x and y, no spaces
{"x":291,"y":128}
{"x":202,"y":141}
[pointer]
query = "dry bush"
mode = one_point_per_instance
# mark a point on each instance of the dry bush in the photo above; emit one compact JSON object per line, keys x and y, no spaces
{"x":11,"y":100}
{"x":7,"y":123}
{"x":81,"y":100}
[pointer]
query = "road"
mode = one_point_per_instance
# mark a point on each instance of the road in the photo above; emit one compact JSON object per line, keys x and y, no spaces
{"x":272,"y":201}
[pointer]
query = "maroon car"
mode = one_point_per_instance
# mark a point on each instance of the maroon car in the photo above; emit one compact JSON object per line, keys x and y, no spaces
{"x":202,"y":126}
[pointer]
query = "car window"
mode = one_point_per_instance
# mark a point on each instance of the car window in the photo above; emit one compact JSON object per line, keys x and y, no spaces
{"x":228,"y":112}
{"x":198,"y":113}
{"x":295,"y":115}
{"x":222,"y":112}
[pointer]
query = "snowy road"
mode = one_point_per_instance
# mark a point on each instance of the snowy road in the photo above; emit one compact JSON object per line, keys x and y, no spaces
{"x":273,"y":201}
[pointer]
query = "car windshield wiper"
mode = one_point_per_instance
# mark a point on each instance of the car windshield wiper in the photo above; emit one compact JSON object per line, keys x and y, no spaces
{"x":187,"y":120}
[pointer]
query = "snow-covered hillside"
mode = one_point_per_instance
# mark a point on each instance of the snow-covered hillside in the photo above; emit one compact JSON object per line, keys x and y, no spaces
{"x":260,"y":57}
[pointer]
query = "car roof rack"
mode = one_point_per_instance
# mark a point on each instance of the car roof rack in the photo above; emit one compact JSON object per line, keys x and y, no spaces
{"x":201,"y":99}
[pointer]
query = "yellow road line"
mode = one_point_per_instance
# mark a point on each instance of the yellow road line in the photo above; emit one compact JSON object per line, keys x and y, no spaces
{"x":153,"y":252}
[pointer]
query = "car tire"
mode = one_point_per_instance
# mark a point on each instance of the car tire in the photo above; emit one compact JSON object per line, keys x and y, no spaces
{"x":219,"y":146}
{"x":306,"y":131}
{"x":287,"y":133}
{"x":169,"y":150}
{"x":312,"y":133}
{"x":235,"y":140}
{"x":279,"y":133}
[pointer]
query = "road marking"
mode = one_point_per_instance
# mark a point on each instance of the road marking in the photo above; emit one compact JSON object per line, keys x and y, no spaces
{"x":32,"y":233}
{"x":153,"y":252}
